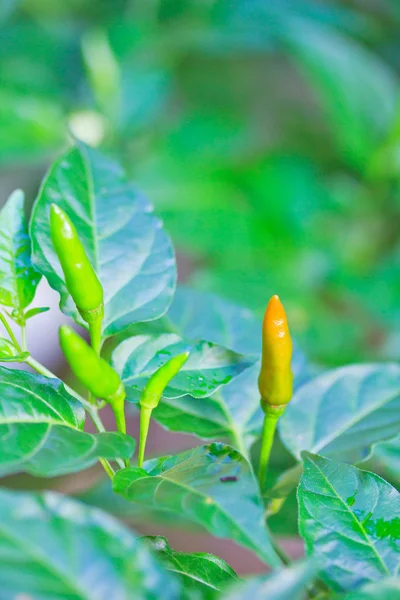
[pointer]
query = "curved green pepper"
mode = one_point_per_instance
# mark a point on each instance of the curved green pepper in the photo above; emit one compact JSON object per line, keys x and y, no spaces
{"x":80,"y":277}
{"x":94,"y":372}
{"x":151,"y":395}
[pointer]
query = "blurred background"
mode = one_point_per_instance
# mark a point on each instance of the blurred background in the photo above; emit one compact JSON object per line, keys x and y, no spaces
{"x":266,"y":133}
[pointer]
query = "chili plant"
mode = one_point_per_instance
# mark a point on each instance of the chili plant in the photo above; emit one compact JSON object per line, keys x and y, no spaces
{"x":195,"y":364}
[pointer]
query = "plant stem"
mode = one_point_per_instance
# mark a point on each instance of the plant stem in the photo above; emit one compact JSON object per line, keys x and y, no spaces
{"x":95,"y":335}
{"x":24,"y":346}
{"x":119,"y":414}
{"x":39,"y":368}
{"x":280,"y":552}
{"x":120,"y":420}
{"x":98,"y":423}
{"x":118,"y":409}
{"x":9,"y":331}
{"x":107,"y":467}
{"x":145,"y":416}
{"x":270,"y":421}
{"x":95,"y":341}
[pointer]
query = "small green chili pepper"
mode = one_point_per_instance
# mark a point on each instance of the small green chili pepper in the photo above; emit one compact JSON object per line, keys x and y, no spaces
{"x":94,"y":373}
{"x":152,"y":393}
{"x":80,"y":277}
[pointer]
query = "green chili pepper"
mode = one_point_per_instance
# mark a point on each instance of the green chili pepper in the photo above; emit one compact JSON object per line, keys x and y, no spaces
{"x":94,"y":373}
{"x":80,"y":277}
{"x":152,"y":393}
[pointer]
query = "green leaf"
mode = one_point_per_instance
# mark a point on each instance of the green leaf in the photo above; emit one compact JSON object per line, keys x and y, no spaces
{"x":386,"y":460}
{"x":212,"y":485}
{"x":288,"y":584}
{"x":37,"y":129}
{"x":101,"y":495}
{"x":9,"y":353}
{"x":41,"y":429}
{"x":351,"y":519}
{"x":36,"y":311}
{"x":55,"y":548}
{"x":233,"y":412}
{"x":202,"y":575}
{"x":18,"y":278}
{"x":198,"y":315}
{"x":209,"y":366}
{"x":351,"y":82}
{"x":125,"y":242}
{"x":343,"y":412}
{"x":386,"y":589}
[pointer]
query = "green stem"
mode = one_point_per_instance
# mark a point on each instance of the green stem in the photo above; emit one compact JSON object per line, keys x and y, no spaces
{"x":107,"y":467}
{"x":95,"y":340}
{"x":270,"y":421}
{"x":119,"y":414}
{"x":95,"y":335}
{"x":98,"y":423}
{"x":10,"y":331}
{"x":39,"y":368}
{"x":145,"y":416}
{"x":280,"y":552}
{"x":90,"y":409}
{"x":91,"y":399}
{"x":24,"y":345}
{"x":120,"y":420}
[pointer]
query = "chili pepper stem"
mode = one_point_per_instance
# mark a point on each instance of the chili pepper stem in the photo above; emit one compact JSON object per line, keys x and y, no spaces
{"x":119,"y":414}
{"x":120,"y":419}
{"x":267,"y":438}
{"x":145,"y":416}
{"x":95,"y":335}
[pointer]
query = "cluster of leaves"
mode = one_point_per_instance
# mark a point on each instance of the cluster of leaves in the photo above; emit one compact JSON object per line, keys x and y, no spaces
{"x":284,"y":166}
{"x":349,"y":518}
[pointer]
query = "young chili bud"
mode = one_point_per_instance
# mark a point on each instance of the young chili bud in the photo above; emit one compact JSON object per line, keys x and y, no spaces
{"x":275,"y":381}
{"x":80,"y":277}
{"x":152,"y":393}
{"x":94,"y":372}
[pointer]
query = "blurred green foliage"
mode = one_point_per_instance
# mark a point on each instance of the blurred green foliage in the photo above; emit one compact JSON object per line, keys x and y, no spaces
{"x":266,"y":133}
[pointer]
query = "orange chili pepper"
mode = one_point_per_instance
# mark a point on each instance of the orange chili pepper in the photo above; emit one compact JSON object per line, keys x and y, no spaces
{"x":275,"y":381}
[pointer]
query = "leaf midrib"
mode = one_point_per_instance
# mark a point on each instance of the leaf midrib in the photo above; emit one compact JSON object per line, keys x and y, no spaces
{"x":360,"y":415}
{"x":359,"y":523}
{"x":92,"y":203}
{"x":193,"y":577}
{"x":41,"y":559}
{"x":216,"y":504}
{"x":22,"y":421}
{"x":30,"y":392}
